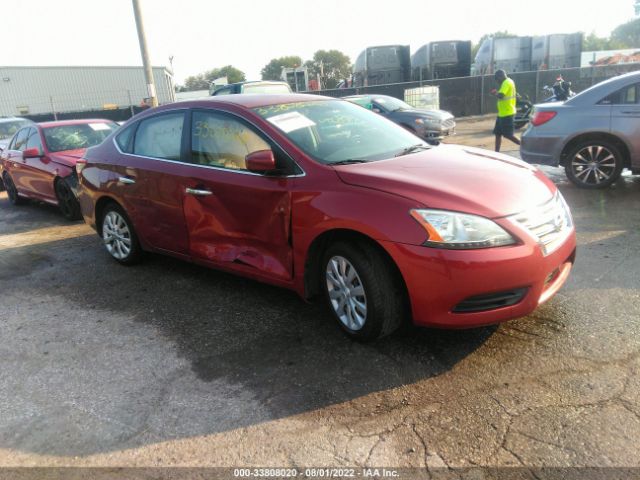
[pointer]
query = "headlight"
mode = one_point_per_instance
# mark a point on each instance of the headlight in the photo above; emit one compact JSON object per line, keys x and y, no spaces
{"x":460,"y":230}
{"x":428,"y":121}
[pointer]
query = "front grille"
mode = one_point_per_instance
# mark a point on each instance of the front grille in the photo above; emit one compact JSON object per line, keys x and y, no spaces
{"x":481,"y":303}
{"x":449,"y":123}
{"x":549,"y":223}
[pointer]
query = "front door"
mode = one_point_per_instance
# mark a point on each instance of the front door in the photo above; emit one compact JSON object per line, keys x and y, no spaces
{"x":236,"y":217}
{"x":39,"y":172}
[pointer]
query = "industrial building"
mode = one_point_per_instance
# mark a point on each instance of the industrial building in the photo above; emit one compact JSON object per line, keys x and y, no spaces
{"x":28,"y":91}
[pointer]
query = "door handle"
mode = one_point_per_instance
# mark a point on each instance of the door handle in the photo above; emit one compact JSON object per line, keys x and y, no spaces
{"x":198,"y":192}
{"x":631,"y":112}
{"x":126,"y":180}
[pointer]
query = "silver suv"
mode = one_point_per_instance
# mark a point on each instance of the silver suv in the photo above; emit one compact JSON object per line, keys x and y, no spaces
{"x":593,"y":135}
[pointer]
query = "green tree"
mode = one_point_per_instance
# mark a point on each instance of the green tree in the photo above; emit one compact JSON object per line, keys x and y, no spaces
{"x":273,"y":69}
{"x":627,"y":34}
{"x":203,"y":80}
{"x":592,"y":42}
{"x":500,"y":34}
{"x":331,"y":65}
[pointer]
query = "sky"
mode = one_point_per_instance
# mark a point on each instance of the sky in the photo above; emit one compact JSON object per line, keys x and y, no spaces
{"x":204,"y":34}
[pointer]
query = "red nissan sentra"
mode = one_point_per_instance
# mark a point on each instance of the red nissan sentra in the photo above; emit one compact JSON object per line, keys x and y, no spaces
{"x":327,"y":198}
{"x":39,"y":162}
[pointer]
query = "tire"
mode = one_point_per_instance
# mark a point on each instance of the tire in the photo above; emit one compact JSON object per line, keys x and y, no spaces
{"x":594,"y":164}
{"x":12,"y":191}
{"x":362,"y":290}
{"x":119,"y":236}
{"x":67,"y":201}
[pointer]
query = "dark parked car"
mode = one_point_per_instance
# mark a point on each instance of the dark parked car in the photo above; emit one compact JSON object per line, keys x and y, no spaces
{"x":39,"y":163}
{"x":431,"y":125}
{"x":327,"y":198}
{"x":253,"y":87}
{"x":593,"y":135}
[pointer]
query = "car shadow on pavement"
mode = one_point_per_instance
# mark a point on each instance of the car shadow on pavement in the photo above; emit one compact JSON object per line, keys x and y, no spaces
{"x":100,"y":357}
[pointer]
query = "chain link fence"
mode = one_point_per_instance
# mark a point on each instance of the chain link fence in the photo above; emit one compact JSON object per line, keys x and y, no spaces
{"x":466,"y":96}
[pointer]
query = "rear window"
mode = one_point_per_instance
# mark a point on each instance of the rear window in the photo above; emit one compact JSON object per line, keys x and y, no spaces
{"x":10,"y":127}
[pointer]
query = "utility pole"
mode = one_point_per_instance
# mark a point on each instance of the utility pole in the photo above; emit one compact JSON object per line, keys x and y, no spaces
{"x":148,"y":72}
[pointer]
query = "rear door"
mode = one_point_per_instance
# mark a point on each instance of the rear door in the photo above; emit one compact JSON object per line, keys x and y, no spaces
{"x":625,"y":118}
{"x":237,"y":218}
{"x":146,"y":179}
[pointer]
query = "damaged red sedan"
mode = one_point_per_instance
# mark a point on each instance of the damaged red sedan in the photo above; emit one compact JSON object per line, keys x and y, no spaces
{"x":39,"y":162}
{"x":328,"y":199}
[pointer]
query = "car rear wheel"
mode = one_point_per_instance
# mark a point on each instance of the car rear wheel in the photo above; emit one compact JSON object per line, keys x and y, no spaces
{"x":594,"y":164}
{"x":12,"y":191}
{"x":119,"y":237}
{"x":362,"y":290}
{"x":67,"y":201}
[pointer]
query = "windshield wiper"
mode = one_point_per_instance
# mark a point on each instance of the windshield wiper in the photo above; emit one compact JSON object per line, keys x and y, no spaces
{"x":413,"y":148}
{"x":349,"y":161}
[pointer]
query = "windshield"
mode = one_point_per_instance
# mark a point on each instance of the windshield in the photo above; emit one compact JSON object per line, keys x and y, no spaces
{"x":73,"y":137}
{"x":9,"y":128}
{"x":392,"y":104}
{"x":266,"y":88}
{"x":338,"y":131}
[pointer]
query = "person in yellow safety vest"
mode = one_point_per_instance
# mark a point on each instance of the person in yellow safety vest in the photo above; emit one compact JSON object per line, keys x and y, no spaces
{"x":506,"y":94}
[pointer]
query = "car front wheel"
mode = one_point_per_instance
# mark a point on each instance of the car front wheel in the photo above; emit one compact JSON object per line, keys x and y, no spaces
{"x":12,"y":191}
{"x":67,"y":201}
{"x":119,"y":237}
{"x":594,"y":164}
{"x":362,"y":290}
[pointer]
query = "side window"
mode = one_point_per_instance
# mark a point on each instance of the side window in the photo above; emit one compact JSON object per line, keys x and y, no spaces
{"x":626,"y":96}
{"x":220,"y":141}
{"x":124,"y":139}
{"x":33,"y":140}
{"x":223,"y":91}
{"x":629,"y":95}
{"x":21,"y":139}
{"x":160,"y":136}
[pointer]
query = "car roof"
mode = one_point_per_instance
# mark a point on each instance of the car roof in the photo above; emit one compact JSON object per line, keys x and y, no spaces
{"x":600,"y":90}
{"x":14,"y":119}
{"x":252,"y":100}
{"x":80,"y":121}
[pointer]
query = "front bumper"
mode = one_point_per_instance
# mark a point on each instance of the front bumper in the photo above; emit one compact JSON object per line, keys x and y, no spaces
{"x":440,"y":280}
{"x":436,"y":135}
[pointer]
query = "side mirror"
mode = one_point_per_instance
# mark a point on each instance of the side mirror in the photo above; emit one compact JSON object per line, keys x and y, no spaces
{"x":32,"y":153}
{"x":261,"y":161}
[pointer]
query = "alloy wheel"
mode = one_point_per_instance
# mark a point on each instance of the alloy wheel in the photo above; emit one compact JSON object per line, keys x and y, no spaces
{"x":346,"y":293}
{"x":593,"y":165}
{"x":116,"y":235}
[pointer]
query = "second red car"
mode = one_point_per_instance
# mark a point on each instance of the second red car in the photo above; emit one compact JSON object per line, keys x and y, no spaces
{"x":39,"y":162}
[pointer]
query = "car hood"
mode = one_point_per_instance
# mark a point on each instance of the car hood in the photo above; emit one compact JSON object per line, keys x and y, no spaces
{"x":451,"y":177}
{"x":441,"y":115}
{"x":68,"y":157}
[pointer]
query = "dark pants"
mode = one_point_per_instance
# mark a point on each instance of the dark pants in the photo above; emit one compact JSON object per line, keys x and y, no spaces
{"x":504,"y":126}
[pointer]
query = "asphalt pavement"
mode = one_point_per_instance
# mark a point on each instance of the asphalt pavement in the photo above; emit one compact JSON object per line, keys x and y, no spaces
{"x":170,"y":364}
